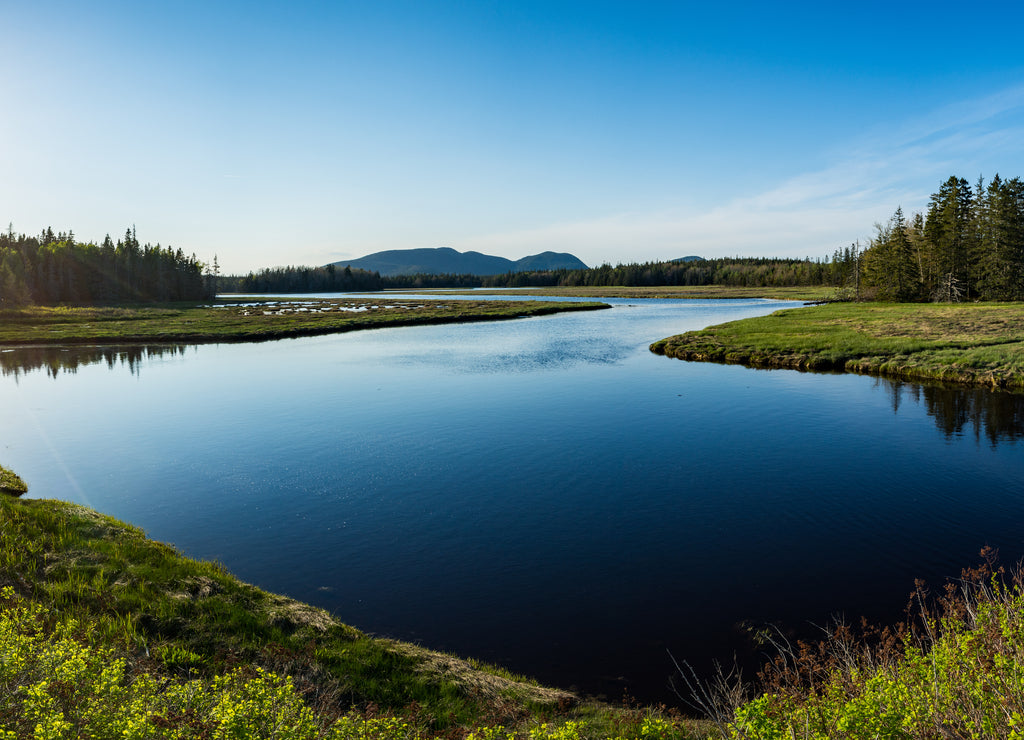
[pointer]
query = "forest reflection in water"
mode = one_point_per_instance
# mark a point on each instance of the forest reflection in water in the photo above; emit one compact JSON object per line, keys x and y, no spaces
{"x":54,"y":360}
{"x":995,"y":416}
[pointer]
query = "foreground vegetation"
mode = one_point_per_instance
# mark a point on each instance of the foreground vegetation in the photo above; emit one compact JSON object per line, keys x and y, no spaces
{"x":106,"y":633}
{"x":250,"y":320}
{"x":978,"y":344}
{"x":955,"y":669}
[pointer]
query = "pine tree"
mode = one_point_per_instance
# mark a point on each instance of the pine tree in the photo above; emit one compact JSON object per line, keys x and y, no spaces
{"x":948,"y":229}
{"x":891,"y":267}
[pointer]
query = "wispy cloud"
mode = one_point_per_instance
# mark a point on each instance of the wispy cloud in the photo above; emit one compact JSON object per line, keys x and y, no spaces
{"x":813,"y":213}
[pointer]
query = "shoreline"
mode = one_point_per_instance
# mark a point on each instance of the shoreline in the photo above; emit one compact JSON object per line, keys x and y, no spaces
{"x":973,"y":345}
{"x":230,"y":323}
{"x":172,"y":618}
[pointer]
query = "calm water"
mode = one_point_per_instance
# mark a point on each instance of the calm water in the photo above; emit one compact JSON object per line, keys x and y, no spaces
{"x":545,"y":494}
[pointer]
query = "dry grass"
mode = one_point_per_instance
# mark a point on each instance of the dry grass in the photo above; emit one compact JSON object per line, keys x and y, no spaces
{"x":491,"y":685}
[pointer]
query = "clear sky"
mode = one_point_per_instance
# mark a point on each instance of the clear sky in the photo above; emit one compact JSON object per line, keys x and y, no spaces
{"x":276,"y":133}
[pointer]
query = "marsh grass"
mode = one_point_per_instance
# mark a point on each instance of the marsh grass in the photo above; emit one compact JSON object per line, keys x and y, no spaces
{"x":11,"y":483}
{"x":978,"y":344}
{"x":250,"y":320}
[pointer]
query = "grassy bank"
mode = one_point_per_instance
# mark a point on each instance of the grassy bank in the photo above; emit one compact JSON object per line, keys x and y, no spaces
{"x":11,"y":483}
{"x":193,"y":630}
{"x":977,"y":344}
{"x":252,"y":319}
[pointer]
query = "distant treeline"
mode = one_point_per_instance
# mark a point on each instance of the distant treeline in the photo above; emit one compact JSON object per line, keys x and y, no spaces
{"x":54,"y":268}
{"x":739,"y":271}
{"x":746,"y":272}
{"x":333,"y":279}
{"x":969,"y":245}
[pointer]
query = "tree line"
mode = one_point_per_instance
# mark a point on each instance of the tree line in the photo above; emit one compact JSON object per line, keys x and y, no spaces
{"x":969,"y":245}
{"x":744,"y":272}
{"x":54,"y":268}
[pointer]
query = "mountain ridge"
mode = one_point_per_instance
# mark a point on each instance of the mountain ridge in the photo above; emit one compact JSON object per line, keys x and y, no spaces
{"x":448,"y":261}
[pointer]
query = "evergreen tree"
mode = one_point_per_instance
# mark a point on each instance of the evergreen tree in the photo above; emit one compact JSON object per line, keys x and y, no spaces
{"x":1000,"y":241}
{"x":948,"y":229}
{"x":890,"y":265}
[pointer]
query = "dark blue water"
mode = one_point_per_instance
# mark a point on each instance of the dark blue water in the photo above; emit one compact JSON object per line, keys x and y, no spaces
{"x":545,"y":493}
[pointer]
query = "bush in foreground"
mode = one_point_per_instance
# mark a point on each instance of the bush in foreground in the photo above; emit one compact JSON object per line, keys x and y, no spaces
{"x":956,"y":670}
{"x":56,"y":682}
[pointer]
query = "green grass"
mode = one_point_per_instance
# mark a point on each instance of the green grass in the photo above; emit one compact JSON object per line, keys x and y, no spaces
{"x":978,"y":344}
{"x":265,"y":318}
{"x":11,"y":483}
{"x":180,"y":619}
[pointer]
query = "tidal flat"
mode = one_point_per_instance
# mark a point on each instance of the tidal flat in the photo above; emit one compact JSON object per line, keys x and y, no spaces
{"x":252,"y":319}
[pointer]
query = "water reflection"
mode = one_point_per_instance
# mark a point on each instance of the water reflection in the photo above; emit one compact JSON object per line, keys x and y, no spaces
{"x":53,"y":361}
{"x":957,"y":411}
{"x":996,"y":416}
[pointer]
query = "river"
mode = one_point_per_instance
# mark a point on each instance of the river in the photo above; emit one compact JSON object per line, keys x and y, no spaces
{"x":545,"y":494}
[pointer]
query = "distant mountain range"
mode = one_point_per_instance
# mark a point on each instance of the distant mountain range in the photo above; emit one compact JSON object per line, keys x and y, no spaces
{"x":447,"y":261}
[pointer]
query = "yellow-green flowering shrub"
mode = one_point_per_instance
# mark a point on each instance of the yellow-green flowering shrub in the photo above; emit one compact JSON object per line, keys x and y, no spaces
{"x":55,"y":685}
{"x":961,"y":675}
{"x":498,"y":732}
{"x":546,"y":731}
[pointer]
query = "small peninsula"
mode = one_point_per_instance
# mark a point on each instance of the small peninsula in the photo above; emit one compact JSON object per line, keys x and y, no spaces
{"x":248,"y":320}
{"x":979,"y":344}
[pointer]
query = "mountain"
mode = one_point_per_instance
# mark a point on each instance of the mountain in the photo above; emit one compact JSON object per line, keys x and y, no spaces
{"x":447,"y":261}
{"x":548,"y":261}
{"x":691,"y":258}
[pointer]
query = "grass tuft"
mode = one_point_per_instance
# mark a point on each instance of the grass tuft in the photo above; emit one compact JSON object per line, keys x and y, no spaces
{"x":11,"y":483}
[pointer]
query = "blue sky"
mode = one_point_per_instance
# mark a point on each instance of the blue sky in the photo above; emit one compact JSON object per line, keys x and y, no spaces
{"x":304,"y":132}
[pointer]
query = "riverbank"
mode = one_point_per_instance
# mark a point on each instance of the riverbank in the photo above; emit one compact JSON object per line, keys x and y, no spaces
{"x":249,"y":320}
{"x":11,"y":483}
{"x":168,"y":622}
{"x":980,"y":344}
{"x":662,"y":292}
